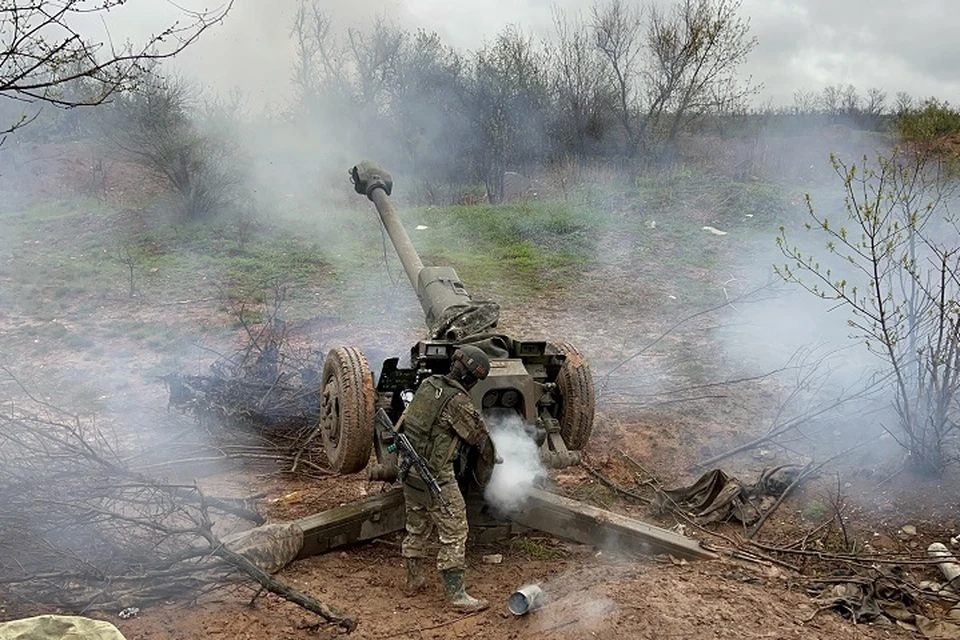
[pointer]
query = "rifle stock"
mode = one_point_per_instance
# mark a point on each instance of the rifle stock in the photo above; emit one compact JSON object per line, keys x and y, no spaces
{"x":398,"y":441}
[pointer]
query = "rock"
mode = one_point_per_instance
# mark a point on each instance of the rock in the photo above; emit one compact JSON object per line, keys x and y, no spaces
{"x":493,"y":558}
{"x":908,"y":530}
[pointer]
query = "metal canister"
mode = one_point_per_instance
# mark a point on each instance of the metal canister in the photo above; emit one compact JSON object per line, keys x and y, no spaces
{"x":526,"y":599}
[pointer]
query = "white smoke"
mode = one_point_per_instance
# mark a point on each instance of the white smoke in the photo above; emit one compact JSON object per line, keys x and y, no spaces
{"x":521,"y":469}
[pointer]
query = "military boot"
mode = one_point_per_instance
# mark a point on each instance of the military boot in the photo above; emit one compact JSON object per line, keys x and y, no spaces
{"x":415,"y":580}
{"x":457,"y":595}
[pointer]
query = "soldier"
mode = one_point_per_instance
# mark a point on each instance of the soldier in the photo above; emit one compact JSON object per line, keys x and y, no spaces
{"x":447,"y":431}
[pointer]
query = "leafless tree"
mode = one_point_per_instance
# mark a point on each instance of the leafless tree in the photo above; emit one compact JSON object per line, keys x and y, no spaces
{"x":507,"y":101}
{"x":43,"y":56}
{"x":850,"y":100}
{"x":697,"y":49}
{"x":318,"y":67}
{"x":427,"y":100}
{"x":350,"y":71}
{"x":805,"y":101}
{"x":376,"y":54}
{"x":904,"y":103}
{"x":618,"y":35}
{"x":893,"y":262}
{"x":580,"y":86}
{"x":159,"y":124}
{"x":670,"y":68}
{"x":876,"y":102}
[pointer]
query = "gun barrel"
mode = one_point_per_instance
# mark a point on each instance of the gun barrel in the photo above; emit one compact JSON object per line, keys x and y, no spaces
{"x":449,"y":310}
{"x":408,"y":255}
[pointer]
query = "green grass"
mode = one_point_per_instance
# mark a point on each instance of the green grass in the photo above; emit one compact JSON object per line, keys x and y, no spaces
{"x":537,"y":548}
{"x":527,"y":244}
{"x":667,"y":214}
{"x":63,"y":255}
{"x":814,"y":511}
{"x":64,"y":251}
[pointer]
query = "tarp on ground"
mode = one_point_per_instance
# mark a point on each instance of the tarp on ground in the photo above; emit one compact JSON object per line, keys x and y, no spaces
{"x":52,"y":627}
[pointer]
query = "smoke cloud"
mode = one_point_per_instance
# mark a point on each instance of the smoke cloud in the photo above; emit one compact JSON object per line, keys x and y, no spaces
{"x":521,"y":469}
{"x":801,"y":44}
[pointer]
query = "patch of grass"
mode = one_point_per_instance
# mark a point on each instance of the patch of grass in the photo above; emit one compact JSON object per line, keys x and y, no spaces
{"x":250,"y":317}
{"x":814,"y":511}
{"x":48,"y":331}
{"x":688,"y":225}
{"x":698,"y":198}
{"x":528,"y":243}
{"x":537,"y":548}
{"x":70,"y":250}
{"x":595,"y":493}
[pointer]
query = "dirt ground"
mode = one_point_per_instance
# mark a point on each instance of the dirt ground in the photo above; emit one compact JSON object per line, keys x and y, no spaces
{"x":594,"y":594}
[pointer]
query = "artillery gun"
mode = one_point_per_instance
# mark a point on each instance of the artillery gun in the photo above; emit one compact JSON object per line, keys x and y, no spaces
{"x":549,"y":385}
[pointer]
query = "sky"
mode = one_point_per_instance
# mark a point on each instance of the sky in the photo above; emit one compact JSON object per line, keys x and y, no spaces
{"x":801,"y":44}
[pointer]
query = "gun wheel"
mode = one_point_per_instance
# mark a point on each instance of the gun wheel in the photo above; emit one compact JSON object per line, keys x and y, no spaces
{"x":577,"y":397}
{"x":346,"y":409}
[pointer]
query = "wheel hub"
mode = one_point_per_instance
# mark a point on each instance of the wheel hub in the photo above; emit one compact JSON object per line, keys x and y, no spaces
{"x":330,"y":410}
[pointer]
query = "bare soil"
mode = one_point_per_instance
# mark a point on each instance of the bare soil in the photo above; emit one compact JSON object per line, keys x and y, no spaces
{"x":609,"y":315}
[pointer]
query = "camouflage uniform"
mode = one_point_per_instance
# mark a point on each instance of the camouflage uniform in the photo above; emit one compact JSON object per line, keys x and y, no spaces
{"x":442,"y":425}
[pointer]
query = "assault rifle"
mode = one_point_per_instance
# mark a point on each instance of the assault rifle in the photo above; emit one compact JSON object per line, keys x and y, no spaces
{"x":399,"y":442}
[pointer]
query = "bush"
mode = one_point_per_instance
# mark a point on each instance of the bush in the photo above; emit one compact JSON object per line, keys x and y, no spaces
{"x":932,"y":121}
{"x":157,"y":124}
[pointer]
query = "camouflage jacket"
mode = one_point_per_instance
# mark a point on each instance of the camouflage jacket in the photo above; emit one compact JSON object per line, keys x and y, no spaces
{"x":443,"y":425}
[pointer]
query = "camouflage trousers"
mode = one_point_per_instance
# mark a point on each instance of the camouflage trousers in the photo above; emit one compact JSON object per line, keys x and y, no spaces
{"x":424,"y":516}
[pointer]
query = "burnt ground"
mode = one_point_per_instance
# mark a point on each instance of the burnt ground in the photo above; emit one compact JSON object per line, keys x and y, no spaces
{"x":611,"y":313}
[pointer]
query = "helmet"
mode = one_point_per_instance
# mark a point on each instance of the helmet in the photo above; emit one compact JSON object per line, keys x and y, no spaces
{"x":474,"y":360}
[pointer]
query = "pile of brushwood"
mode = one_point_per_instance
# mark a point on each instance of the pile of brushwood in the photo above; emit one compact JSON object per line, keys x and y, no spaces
{"x":86,"y":525}
{"x":264,"y":398}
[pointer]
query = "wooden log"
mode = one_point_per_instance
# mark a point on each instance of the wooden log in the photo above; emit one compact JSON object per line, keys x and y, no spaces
{"x":552,"y":514}
{"x":573,"y":520}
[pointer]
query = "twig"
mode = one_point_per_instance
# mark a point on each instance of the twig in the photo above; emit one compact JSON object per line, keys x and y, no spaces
{"x":606,"y":378}
{"x":802,"y":542}
{"x":864,"y":560}
{"x":610,"y":483}
{"x":806,"y":472}
{"x":793,"y":485}
{"x":557,"y":626}
{"x":431,"y":628}
{"x":652,"y":478}
{"x":303,"y":447}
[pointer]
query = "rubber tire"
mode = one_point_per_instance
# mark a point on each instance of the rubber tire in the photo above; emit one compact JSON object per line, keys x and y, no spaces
{"x":577,"y":397}
{"x":346,"y":409}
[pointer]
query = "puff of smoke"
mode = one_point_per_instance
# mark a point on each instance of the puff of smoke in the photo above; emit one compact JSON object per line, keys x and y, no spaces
{"x":521,"y":469}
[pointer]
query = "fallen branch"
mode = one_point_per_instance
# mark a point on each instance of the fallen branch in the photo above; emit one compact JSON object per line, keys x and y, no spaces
{"x":782,"y":426}
{"x":864,"y":560}
{"x":599,"y":475}
{"x":329,"y":613}
{"x":605,"y":379}
{"x":804,"y":473}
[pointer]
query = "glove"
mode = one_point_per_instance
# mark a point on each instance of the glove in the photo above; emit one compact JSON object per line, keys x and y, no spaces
{"x":485,"y":458}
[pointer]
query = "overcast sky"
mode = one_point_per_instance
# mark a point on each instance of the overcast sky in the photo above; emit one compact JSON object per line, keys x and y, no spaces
{"x":894,"y":45}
